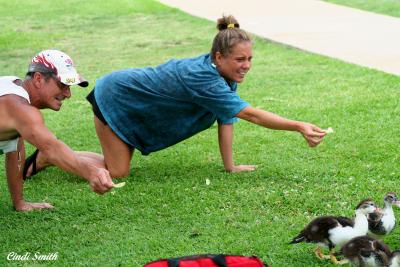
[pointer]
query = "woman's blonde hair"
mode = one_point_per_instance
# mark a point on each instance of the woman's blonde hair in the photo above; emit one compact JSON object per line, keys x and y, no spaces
{"x":228,"y":36}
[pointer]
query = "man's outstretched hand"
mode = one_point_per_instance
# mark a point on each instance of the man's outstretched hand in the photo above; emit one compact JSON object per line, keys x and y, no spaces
{"x":101,"y":181}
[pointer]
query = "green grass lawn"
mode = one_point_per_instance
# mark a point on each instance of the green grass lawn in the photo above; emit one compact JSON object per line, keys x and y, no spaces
{"x":166,"y":209}
{"x":385,"y":7}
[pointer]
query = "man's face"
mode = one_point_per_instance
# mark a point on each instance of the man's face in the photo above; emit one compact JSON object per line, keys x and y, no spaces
{"x":237,"y":63}
{"x":53,"y":92}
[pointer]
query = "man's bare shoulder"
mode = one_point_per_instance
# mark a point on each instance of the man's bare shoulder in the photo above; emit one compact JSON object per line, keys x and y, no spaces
{"x":10,"y":104}
{"x":13,"y":110}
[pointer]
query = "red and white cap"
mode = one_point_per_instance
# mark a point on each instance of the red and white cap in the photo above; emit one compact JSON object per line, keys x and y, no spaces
{"x":59,"y":63}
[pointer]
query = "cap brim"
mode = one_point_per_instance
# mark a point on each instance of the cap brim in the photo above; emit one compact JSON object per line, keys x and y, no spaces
{"x":83,"y":84}
{"x":77,"y":80}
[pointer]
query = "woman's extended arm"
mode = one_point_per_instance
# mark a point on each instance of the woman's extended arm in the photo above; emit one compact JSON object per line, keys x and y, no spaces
{"x":310,"y":132}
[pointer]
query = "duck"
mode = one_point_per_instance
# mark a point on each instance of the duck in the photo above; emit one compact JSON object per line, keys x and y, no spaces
{"x":335,"y":231}
{"x":395,"y":259}
{"x":365,"y":251}
{"x":382,"y":222}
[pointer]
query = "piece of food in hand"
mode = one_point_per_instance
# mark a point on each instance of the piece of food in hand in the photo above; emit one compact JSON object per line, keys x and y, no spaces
{"x":119,"y":185}
{"x":329,"y":130}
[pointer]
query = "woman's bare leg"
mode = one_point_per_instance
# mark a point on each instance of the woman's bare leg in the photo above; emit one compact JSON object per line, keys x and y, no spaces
{"x":117,"y":154}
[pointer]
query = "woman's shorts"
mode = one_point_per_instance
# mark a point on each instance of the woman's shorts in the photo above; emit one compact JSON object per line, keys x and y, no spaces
{"x":95,"y":107}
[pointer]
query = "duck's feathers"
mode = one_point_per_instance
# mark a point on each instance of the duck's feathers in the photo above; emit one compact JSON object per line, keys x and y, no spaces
{"x":381,"y":223}
{"x":378,"y":228}
{"x":317,"y":231}
{"x":374,"y":217}
{"x":366,"y":251}
{"x":375,"y":224}
{"x":395,"y":260}
{"x":344,"y":221}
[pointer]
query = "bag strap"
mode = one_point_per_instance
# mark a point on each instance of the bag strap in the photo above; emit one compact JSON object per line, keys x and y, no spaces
{"x":173,"y":262}
{"x":219,"y":260}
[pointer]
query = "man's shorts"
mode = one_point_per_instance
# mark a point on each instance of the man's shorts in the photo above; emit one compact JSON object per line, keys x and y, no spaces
{"x":8,"y":146}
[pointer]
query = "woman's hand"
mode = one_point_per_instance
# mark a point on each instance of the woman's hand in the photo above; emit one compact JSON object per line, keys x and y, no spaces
{"x":311,"y":133}
{"x":28,"y":206}
{"x":242,"y":168}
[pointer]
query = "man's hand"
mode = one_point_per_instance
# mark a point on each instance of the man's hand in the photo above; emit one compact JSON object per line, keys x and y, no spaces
{"x":27,"y":206}
{"x":312,"y":134}
{"x":100,"y":180}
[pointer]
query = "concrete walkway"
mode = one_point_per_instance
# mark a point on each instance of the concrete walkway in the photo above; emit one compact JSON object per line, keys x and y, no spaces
{"x":354,"y":36}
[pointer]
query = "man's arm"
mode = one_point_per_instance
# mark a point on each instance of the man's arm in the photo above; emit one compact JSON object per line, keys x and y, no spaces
{"x":14,"y":168}
{"x":29,"y":123}
{"x":225,"y":140}
{"x":310,"y":132}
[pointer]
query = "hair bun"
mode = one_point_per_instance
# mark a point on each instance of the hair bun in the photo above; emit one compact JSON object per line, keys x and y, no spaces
{"x":227,"y":22}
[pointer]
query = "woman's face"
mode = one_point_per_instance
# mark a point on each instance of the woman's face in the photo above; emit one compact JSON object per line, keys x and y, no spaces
{"x":236,"y":64}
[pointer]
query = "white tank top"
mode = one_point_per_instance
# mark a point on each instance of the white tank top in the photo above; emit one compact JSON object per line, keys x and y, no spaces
{"x":7,"y":87}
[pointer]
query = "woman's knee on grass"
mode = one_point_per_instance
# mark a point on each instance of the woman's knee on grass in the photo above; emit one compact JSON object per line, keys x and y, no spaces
{"x":118,"y":172}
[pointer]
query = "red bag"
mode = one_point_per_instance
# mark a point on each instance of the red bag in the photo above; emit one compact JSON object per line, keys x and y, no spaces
{"x":209,"y":260}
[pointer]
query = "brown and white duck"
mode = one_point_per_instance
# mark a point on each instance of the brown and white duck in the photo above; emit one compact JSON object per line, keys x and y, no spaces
{"x":382,"y":222}
{"x":365,"y":251}
{"x":332,"y":231}
{"x":395,"y":259}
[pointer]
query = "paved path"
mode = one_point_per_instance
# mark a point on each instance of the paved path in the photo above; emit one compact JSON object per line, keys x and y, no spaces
{"x":354,"y":36}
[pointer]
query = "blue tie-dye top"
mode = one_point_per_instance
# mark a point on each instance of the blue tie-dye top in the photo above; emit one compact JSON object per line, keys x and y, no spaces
{"x":154,"y":108}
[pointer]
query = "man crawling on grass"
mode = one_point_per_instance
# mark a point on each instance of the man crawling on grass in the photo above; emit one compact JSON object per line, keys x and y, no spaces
{"x":46,"y":85}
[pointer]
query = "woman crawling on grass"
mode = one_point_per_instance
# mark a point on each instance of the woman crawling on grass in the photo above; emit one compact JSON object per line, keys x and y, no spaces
{"x":152,"y":108}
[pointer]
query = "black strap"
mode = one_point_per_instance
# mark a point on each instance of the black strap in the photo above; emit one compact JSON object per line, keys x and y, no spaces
{"x":173,"y":262}
{"x":219,"y":260}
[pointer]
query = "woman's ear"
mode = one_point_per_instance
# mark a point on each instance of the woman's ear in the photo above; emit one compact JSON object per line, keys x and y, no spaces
{"x":217,"y":58}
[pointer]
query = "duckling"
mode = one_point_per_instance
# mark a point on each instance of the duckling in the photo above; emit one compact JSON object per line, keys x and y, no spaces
{"x":366,"y":251}
{"x":395,"y":260}
{"x":331,"y":231}
{"x":382,"y":222}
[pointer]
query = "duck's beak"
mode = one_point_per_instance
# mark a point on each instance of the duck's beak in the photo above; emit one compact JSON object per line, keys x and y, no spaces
{"x":397,"y":203}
